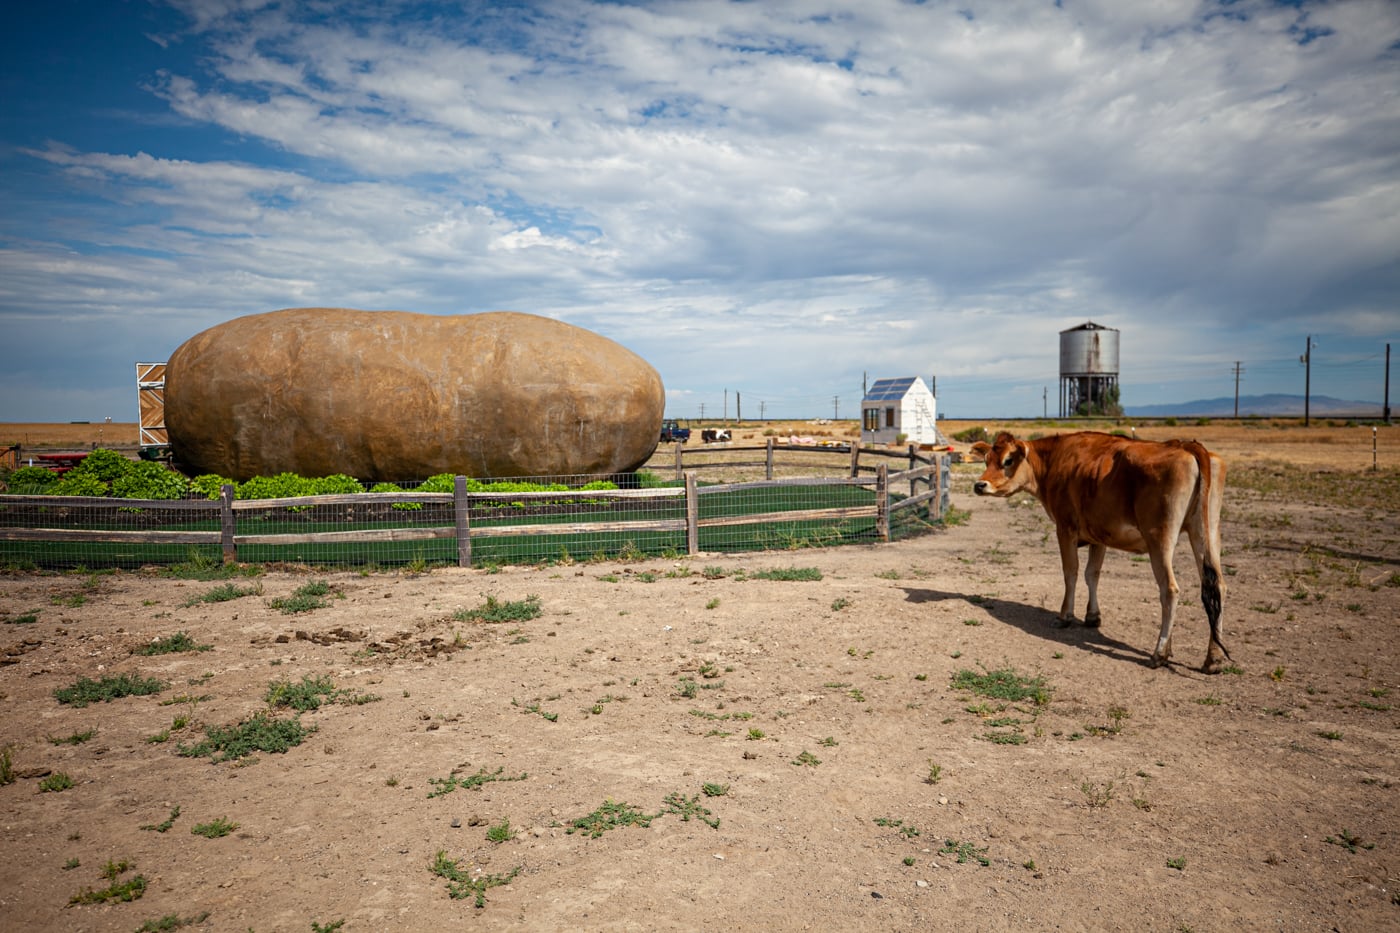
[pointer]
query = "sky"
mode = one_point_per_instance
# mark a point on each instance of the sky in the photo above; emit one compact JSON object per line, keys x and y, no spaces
{"x":772,"y":202}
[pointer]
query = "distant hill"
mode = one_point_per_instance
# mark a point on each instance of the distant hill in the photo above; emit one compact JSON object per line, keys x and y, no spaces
{"x":1278,"y":406}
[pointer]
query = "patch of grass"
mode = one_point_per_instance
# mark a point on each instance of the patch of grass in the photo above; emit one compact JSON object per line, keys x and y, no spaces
{"x":494,"y":610}
{"x":791,"y":574}
{"x":180,"y":641}
{"x":806,"y":759}
{"x":24,"y":618}
{"x":305,"y":598}
{"x":173,"y":922}
{"x":1350,"y":842}
{"x":471,"y":782}
{"x":214,"y":829}
{"x":77,"y":738}
{"x":501,"y":832}
{"x":840,"y":603}
{"x":125,"y":891}
{"x":935,"y":773}
{"x":260,"y":733}
{"x":302,"y":697}
{"x":688,"y":808}
{"x":714,"y":790}
{"x":169,"y":822}
{"x":222,"y":594}
{"x":55,"y":783}
{"x":7,"y":766}
{"x":1177,"y":863}
{"x":1096,"y":795}
{"x":331,"y":927}
{"x":461,"y":884}
{"x":535,"y":708}
{"x":964,"y":851}
{"x":1004,"y":684}
{"x":87,"y":691}
{"x":610,"y":815}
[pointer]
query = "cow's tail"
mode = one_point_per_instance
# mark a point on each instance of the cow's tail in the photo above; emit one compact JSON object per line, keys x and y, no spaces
{"x":1210,"y":565}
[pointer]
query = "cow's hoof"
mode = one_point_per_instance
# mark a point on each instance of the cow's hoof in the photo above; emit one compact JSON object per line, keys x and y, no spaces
{"x":1158,"y":660}
{"x":1213,"y":666}
{"x":1093,"y":621}
{"x":1062,"y":622}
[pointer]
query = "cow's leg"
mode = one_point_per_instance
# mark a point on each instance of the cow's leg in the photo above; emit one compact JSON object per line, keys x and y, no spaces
{"x":1207,"y":553}
{"x":1069,"y":563}
{"x":1091,"y":581}
{"x":1167,"y":590}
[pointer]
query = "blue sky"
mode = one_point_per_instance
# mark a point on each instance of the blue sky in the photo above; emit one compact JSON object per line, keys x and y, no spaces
{"x":766,"y":199}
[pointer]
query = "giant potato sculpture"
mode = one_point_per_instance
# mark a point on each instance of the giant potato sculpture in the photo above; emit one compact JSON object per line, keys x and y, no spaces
{"x":391,"y":395}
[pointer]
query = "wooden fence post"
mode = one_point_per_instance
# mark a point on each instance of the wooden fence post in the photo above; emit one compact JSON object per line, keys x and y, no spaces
{"x":882,"y":501}
{"x":226,"y":524}
{"x":680,"y":449}
{"x":768,"y":471}
{"x":855,"y":459}
{"x":692,"y":516}
{"x":461,"y":513}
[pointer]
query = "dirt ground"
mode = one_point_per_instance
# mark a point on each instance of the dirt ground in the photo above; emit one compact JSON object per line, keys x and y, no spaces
{"x":834,"y":776}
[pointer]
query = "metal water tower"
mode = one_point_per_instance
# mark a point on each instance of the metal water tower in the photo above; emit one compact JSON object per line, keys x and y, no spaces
{"x":1088,"y":366}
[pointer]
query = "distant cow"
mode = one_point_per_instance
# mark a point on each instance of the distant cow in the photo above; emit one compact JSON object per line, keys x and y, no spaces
{"x":714,"y":435}
{"x":1106,"y":492}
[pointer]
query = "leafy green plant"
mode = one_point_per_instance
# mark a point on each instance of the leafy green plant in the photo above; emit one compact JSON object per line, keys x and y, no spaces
{"x":964,"y":851}
{"x":1350,"y":842}
{"x":806,"y":759}
{"x":7,"y":766}
{"x":1004,"y":684}
{"x":148,"y":480}
{"x":214,"y":829}
{"x":173,"y":922}
{"x":471,"y":782}
{"x":1096,"y":795}
{"x":688,"y":808}
{"x":494,"y":610}
{"x":125,"y":891}
{"x":462,"y":884}
{"x":109,"y":688}
{"x":24,"y":618}
{"x":260,"y":733}
{"x":791,"y":574}
{"x":331,"y":927}
{"x":714,"y":790}
{"x":165,"y":826}
{"x":935,"y":773}
{"x":223,"y":594}
{"x":610,"y":815}
{"x":305,"y":598}
{"x":501,"y":832}
{"x":1177,"y":863}
{"x":171,"y":644}
{"x":303,"y":697}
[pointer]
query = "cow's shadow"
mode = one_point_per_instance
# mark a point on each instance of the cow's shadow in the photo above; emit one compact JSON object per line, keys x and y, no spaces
{"x":1037,"y":621}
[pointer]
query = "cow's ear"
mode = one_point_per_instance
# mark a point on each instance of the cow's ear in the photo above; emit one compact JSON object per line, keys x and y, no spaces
{"x":980,"y":448}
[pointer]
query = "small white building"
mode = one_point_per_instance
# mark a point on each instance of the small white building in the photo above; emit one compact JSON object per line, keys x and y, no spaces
{"x":892,"y":407}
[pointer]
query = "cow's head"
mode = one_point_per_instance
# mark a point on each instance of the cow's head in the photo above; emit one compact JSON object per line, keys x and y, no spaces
{"x":1007,"y":471}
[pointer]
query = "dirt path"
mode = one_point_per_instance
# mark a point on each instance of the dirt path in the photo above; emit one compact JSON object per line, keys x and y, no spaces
{"x":821,"y":711}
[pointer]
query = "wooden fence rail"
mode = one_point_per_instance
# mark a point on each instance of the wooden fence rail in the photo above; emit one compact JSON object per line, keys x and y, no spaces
{"x":932,"y":475}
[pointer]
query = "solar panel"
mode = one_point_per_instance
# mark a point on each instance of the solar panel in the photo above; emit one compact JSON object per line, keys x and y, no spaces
{"x":889,"y":390}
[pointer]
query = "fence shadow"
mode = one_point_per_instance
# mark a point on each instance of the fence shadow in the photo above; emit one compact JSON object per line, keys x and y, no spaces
{"x":1037,"y":621}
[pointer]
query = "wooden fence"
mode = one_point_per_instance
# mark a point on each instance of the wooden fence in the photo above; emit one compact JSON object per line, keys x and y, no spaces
{"x":926,"y":483}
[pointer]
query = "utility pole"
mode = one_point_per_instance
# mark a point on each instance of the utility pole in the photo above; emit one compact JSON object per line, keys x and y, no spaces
{"x":1045,"y":401}
{"x":726,"y":404}
{"x":1306,"y":360}
{"x":762,"y":411}
{"x":1238,"y":369}
{"x":702,"y":411}
{"x":836,"y":408}
{"x":1385,"y":408}
{"x":738,"y":406}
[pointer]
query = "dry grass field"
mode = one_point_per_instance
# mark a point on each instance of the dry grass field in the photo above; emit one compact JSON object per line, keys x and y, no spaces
{"x":883,"y":737}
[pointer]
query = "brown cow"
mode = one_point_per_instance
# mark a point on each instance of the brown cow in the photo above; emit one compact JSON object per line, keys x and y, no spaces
{"x":1106,"y":492}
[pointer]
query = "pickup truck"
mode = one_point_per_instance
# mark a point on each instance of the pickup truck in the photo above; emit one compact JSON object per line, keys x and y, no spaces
{"x":673,"y":430}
